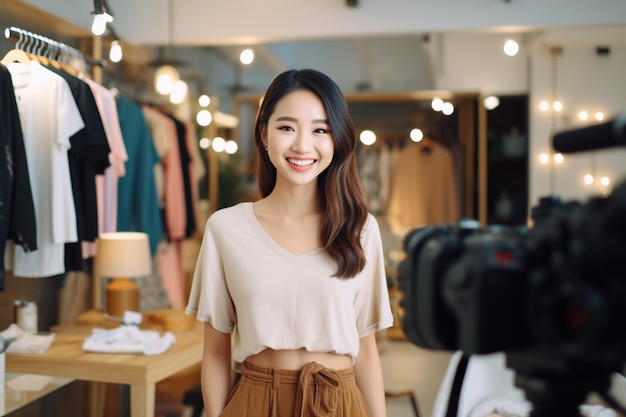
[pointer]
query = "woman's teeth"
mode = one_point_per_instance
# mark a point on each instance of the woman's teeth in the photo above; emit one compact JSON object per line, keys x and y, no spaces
{"x":301,"y":162}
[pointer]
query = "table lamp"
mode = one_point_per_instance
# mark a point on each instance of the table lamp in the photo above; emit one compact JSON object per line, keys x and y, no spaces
{"x":122,"y":255}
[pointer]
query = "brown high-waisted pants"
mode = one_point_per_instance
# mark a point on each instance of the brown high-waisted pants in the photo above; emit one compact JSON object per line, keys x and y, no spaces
{"x":314,"y":391}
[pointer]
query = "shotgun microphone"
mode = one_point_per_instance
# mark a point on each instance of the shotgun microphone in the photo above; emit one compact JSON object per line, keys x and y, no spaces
{"x":604,"y":135}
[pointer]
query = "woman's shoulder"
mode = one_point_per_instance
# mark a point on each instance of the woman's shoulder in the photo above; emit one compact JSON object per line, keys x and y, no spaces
{"x":370,"y":231}
{"x":228,"y":215}
{"x":371,"y":224}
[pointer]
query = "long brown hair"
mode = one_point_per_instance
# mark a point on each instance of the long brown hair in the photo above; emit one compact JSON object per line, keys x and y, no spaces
{"x":344,"y":205}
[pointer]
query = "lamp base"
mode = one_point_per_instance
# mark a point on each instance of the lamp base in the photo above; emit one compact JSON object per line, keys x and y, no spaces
{"x":121,"y":294}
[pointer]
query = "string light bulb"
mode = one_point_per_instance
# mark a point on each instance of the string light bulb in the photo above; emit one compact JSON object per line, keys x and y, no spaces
{"x":231,"y":147}
{"x":204,"y":100}
{"x":218,"y":144}
{"x":605,"y":181}
{"x":367,"y":137}
{"x":448,"y":108}
{"x":416,"y":135}
{"x":204,"y":118}
{"x":179,"y":92}
{"x":491,"y":102}
{"x":558,"y":158}
{"x":436,"y":104}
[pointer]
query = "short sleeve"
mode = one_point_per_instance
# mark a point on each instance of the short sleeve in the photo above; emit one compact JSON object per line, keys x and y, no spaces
{"x":372,"y":307}
{"x":209,"y":298}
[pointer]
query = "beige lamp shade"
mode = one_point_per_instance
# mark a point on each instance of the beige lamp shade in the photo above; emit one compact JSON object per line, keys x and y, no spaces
{"x":122,"y":255}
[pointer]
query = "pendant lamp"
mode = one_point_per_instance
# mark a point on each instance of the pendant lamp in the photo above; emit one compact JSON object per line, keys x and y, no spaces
{"x":166,"y":74}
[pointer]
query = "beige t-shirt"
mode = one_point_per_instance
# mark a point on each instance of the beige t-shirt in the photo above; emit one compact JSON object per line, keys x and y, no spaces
{"x":245,"y":280}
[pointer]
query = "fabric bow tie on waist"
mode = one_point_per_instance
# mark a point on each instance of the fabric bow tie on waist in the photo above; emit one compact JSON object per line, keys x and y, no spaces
{"x":317,"y":391}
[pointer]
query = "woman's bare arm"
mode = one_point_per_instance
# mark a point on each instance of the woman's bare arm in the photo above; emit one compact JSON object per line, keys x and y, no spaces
{"x":369,"y":376}
{"x":215,"y":374}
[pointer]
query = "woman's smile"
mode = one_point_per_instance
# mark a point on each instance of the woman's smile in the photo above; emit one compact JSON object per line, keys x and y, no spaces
{"x":301,"y":164}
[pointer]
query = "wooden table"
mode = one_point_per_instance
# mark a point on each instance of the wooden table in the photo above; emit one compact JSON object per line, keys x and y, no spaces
{"x":66,"y":358}
{"x":17,"y":395}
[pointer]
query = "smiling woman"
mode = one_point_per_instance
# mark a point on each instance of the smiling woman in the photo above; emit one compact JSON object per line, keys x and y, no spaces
{"x":309,"y":299}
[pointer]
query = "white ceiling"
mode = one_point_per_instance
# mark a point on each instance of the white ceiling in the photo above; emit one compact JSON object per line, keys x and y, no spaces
{"x":378,"y":45}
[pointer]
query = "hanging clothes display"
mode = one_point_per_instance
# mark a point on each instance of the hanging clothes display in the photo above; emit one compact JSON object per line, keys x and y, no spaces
{"x":49,"y":117}
{"x":91,"y":160}
{"x":17,"y":211}
{"x":374,"y":167}
{"x":424,"y":187}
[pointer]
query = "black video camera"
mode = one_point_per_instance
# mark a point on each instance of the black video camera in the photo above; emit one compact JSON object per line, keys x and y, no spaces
{"x":552,"y":297}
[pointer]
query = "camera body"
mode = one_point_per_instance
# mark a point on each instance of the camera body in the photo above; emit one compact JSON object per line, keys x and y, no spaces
{"x":558,"y":287}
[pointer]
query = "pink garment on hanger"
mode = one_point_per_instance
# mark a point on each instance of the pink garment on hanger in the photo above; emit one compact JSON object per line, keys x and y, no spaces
{"x":169,"y":265}
{"x":106,"y":184}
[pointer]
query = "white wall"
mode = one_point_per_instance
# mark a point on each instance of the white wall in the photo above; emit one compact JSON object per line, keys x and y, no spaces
{"x":474,"y":61}
{"x":584,"y":81}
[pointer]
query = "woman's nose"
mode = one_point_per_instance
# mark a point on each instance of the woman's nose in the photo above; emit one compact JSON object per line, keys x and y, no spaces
{"x":303,"y":142}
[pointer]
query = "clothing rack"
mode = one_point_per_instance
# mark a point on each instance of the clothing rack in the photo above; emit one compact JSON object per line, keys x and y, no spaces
{"x":43,"y":46}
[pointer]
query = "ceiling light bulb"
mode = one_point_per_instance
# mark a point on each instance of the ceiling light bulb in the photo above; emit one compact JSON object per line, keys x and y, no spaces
{"x":599,"y":116}
{"x":511,"y":48}
{"x":588,"y":179}
{"x":115,"y":53}
{"x":99,"y":25}
{"x":544,"y":105}
{"x":544,"y":158}
{"x":583,"y":115}
{"x":557,"y":106}
{"x":164,"y":77}
{"x":247,"y":56}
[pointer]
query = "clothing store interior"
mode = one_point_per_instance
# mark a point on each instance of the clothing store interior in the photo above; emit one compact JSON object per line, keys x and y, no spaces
{"x":455,"y":104}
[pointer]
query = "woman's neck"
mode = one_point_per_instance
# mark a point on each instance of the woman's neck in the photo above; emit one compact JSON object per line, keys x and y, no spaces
{"x":293,"y":200}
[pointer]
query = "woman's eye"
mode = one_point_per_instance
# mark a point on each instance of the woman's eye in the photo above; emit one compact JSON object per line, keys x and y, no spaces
{"x":322,"y":130}
{"x":286,"y":128}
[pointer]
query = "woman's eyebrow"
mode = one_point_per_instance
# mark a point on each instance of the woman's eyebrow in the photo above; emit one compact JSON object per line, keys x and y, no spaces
{"x":293,"y":119}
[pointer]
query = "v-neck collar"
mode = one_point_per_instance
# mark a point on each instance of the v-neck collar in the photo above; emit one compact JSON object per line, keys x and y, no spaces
{"x":269,"y":241}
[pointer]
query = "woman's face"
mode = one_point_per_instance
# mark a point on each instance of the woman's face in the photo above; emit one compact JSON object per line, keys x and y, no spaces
{"x":298,"y":138}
